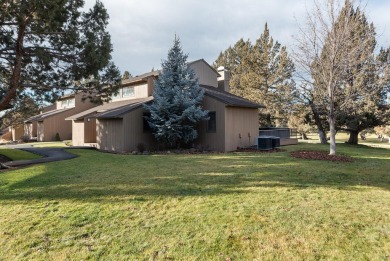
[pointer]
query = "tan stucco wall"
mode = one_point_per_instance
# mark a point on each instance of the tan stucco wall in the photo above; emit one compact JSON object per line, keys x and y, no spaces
{"x":78,"y":133}
{"x":57,"y":122}
{"x":17,"y":132}
{"x":212,"y":141}
{"x":241,"y":126}
{"x":124,"y":135}
{"x":6,"y":136}
{"x":151,"y":85}
{"x":40,"y":131}
{"x":109,"y":134}
{"x":141,"y":90}
{"x":205,"y":74}
{"x":30,"y":129}
{"x":134,"y":134}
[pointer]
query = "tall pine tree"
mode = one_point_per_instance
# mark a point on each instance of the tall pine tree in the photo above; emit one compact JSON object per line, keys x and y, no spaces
{"x":49,"y":46}
{"x":126,"y":75}
{"x":235,"y":58}
{"x":175,"y":110}
{"x":262,"y":73}
{"x":26,"y":107}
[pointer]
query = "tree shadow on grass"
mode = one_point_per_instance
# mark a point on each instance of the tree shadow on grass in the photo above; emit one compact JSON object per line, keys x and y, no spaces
{"x":104,"y":177}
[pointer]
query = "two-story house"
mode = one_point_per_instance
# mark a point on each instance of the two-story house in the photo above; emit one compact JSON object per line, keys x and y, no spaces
{"x":45,"y":126}
{"x":120,"y":125}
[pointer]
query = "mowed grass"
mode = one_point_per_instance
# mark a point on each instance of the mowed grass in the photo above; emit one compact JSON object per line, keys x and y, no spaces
{"x":242,"y":206}
{"x":18,"y":154}
{"x":341,"y":137}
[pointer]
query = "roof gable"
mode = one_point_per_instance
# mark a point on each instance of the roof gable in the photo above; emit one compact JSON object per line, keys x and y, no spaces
{"x":112,"y":109}
{"x":207,"y":64}
{"x":42,"y":116}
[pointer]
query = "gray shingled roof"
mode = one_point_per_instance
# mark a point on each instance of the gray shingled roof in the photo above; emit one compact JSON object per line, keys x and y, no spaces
{"x":118,"y":107}
{"x":118,"y":112}
{"x":222,"y":96}
{"x":228,"y":98}
{"x":45,"y":115}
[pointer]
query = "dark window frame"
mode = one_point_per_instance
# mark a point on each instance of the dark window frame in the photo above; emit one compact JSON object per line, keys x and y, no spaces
{"x":145,"y":125}
{"x":211,"y":126}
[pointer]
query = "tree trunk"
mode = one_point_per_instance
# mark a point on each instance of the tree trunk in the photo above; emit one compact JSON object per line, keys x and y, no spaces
{"x":353,"y":137}
{"x":304,"y":136}
{"x":14,"y":85}
{"x":322,"y":137}
{"x":332,"y":127}
{"x":317,"y":120}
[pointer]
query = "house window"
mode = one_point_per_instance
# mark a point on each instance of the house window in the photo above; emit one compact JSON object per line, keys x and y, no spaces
{"x":71,"y":102}
{"x":212,"y":122}
{"x":67,"y":103}
{"x":146,"y":126}
{"x":128,"y":92}
{"x":117,"y":96}
{"x":124,"y":93}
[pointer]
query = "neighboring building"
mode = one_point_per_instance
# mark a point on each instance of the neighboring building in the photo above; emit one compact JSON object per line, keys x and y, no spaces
{"x":86,"y":126}
{"x":120,"y":126}
{"x":17,"y":132}
{"x":45,"y":126}
{"x":6,"y":135}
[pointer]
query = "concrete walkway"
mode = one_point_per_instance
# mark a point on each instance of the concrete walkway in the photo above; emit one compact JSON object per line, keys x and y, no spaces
{"x":49,"y":155}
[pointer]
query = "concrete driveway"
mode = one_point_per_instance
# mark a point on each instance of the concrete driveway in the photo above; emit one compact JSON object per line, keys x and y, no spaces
{"x":49,"y":154}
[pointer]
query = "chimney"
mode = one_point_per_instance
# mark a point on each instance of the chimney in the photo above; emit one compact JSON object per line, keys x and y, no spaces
{"x":223,"y":80}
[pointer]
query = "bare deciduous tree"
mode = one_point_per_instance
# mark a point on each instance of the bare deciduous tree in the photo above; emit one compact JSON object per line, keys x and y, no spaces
{"x":326,"y":49}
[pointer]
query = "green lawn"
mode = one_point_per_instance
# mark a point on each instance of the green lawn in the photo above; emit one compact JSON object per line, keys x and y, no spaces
{"x":242,"y":206}
{"x":18,"y":154}
{"x":341,"y":137}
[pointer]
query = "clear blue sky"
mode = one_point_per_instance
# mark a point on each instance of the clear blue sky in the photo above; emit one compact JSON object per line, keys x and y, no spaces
{"x":143,"y":31}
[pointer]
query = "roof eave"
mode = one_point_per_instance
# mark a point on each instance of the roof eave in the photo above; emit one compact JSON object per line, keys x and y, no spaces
{"x":254,"y":106}
{"x":242,"y":106}
{"x":120,"y":116}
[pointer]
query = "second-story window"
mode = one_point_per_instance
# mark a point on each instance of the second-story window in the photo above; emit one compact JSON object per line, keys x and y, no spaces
{"x":117,"y":96}
{"x":68,"y":103}
{"x":128,"y":92}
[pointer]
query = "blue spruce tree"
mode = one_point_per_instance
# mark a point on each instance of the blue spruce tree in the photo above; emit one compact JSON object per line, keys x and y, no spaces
{"x":176,"y":109}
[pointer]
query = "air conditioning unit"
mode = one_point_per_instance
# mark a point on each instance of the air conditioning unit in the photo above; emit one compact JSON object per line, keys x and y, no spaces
{"x":264,"y":143}
{"x":275,"y":142}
